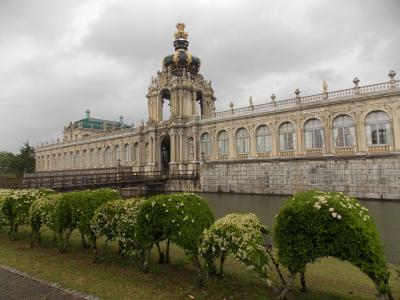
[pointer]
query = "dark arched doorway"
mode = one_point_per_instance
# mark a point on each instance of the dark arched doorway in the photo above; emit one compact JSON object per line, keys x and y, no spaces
{"x":165,"y":154}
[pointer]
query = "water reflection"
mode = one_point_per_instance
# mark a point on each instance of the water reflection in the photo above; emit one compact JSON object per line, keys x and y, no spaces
{"x":386,"y":214}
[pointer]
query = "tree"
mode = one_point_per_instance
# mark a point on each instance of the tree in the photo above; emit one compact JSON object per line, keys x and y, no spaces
{"x":7,"y":163}
{"x":25,"y":160}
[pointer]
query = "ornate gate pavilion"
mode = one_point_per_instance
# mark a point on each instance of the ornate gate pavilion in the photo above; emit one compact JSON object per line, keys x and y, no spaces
{"x":346,"y":140}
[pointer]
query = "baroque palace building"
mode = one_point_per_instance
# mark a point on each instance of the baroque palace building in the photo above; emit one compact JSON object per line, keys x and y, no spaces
{"x":332,"y":140}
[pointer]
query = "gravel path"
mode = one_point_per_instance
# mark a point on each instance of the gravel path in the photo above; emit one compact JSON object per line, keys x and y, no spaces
{"x":16,"y":285}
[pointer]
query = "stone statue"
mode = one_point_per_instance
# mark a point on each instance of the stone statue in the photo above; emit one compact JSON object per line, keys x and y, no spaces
{"x":251,"y":101}
{"x":325,"y":87}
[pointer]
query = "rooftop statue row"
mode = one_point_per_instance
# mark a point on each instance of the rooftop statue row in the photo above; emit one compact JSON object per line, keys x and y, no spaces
{"x":356,"y":91}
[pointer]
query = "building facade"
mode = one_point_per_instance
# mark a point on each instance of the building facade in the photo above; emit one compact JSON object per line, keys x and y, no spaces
{"x":185,"y":133}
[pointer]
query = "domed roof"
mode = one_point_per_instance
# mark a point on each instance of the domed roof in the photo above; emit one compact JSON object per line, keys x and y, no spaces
{"x":181,"y":59}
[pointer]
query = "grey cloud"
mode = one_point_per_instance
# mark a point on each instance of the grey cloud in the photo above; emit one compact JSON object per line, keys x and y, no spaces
{"x":246,"y":48}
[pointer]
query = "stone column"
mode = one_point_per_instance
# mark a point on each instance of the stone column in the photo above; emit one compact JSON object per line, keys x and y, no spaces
{"x":252,"y":133}
{"x":215,"y":145}
{"x":181,"y":146}
{"x":299,"y":139}
{"x":232,"y":142}
{"x":173,"y":148}
{"x":396,"y":130}
{"x":195,"y":144}
{"x":328,"y":149}
{"x":274,"y":140}
{"x":361,"y":147}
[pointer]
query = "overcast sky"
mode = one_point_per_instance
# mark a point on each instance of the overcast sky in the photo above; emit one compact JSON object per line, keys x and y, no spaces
{"x":59,"y":58}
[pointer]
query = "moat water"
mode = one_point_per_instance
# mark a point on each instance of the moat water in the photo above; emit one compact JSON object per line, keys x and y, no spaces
{"x":385,"y":213}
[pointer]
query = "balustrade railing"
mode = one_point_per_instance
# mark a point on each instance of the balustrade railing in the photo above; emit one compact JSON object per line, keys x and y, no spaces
{"x":328,"y":96}
{"x":123,"y":178}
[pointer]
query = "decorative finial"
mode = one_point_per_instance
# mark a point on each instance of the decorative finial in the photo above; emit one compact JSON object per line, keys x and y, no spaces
{"x":356,"y":81}
{"x":297,"y":92}
{"x":87,"y":114}
{"x":231,"y":104}
{"x":121,"y":119}
{"x":273,"y":96}
{"x":324,"y":87}
{"x":181,"y":34}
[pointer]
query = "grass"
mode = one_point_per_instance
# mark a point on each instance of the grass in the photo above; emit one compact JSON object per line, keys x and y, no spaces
{"x":118,"y":278}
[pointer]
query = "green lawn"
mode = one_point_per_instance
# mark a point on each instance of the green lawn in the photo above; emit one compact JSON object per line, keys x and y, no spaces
{"x":117,"y":278}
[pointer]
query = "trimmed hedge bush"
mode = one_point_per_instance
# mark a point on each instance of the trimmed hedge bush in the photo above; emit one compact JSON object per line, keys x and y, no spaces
{"x":179,"y":218}
{"x":2,"y":199}
{"x":240,"y":235}
{"x":116,"y":220}
{"x":15,"y":207}
{"x":316,"y":224}
{"x":75,"y":211}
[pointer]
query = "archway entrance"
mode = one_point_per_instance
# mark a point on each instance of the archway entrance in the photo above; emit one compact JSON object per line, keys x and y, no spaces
{"x":165,"y":154}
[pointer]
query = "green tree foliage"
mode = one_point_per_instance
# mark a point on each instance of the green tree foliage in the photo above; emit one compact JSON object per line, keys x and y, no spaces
{"x":316,"y":224}
{"x":25,"y":160}
{"x":76,"y":210}
{"x":7,"y":163}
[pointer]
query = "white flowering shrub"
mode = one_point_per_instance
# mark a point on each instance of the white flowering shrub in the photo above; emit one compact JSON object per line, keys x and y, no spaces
{"x":240,"y":235}
{"x":15,"y":206}
{"x":316,"y":224}
{"x":3,"y":192}
{"x":116,"y":220}
{"x":127,"y":227}
{"x":180,"y":218}
{"x":44,"y":212}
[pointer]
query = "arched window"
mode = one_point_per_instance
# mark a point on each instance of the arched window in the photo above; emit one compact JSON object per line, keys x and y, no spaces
{"x":223,"y":143}
{"x":117,"y":155}
{"x":314,"y":134}
{"x":205,"y":142}
{"x":77,"y":160}
{"x":99,"y":156}
{"x":377,"y":128}
{"x":107,"y":156}
{"x":135,"y":153}
{"x":344,"y":131}
{"x":59,"y":164}
{"x":126,"y":153}
{"x":54,"y":166}
{"x":287,"y":137}
{"x":242,"y":141}
{"x":263,"y":139}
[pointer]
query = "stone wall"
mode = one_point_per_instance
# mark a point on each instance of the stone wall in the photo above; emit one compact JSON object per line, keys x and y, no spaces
{"x":360,"y":176}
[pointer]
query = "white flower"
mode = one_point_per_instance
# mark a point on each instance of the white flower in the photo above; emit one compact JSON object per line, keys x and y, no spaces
{"x":339,"y":217}
{"x":331,"y":209}
{"x":334,"y":214}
